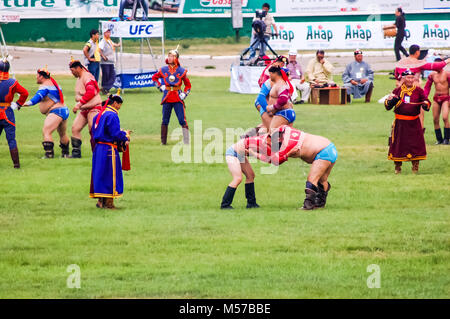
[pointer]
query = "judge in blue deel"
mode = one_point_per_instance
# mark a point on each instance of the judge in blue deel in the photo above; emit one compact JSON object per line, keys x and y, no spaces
{"x":110,"y":139}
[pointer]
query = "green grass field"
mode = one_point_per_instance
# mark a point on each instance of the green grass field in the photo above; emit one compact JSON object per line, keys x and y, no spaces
{"x":170,"y":240}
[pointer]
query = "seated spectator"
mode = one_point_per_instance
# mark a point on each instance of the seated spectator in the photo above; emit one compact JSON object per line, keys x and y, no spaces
{"x":319,"y":70}
{"x":358,"y":78}
{"x":297,"y":79}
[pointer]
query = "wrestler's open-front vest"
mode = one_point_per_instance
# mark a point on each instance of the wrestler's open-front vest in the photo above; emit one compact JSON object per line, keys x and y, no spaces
{"x":80,"y":90}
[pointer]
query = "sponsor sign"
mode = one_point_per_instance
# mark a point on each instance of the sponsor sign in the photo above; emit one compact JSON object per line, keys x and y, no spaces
{"x":134,"y":29}
{"x":352,"y":35}
{"x":134,"y":80}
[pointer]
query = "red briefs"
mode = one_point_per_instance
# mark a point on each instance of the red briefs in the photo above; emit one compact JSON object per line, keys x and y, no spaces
{"x":441,"y":98}
{"x":85,"y":112}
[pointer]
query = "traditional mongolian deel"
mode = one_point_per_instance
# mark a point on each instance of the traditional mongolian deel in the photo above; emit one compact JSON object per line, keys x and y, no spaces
{"x":107,"y":179}
{"x":407,"y":142}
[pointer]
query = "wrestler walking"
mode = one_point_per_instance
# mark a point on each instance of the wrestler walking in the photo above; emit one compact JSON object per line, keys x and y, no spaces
{"x":51,"y":104}
{"x":89,"y":103}
{"x":441,"y":101}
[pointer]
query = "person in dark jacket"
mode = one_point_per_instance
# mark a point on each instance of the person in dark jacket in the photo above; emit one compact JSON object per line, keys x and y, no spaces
{"x":400,"y":24}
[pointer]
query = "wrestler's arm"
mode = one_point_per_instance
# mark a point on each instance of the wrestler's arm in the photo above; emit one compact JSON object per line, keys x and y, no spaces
{"x":427,"y":87}
{"x":91,"y":91}
{"x":38,"y":97}
{"x":434,"y":66}
{"x":282,"y":99}
{"x":19,"y":89}
{"x":156,"y":77}
{"x":261,"y":99}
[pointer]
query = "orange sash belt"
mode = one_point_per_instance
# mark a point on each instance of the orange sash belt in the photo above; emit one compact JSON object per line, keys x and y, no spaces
{"x":173,"y":88}
{"x":110,"y":144}
{"x":406,"y":117}
{"x":3,"y":116}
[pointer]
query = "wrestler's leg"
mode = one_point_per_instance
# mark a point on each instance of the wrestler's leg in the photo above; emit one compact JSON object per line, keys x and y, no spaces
{"x":266,"y":119}
{"x":234,"y":166}
{"x":78,"y":124}
{"x":445,"y":111}
{"x":51,"y":123}
{"x":436,"y":115}
{"x":324,"y":187}
{"x":63,"y":139}
{"x":318,"y":169}
{"x":90,"y":118}
{"x":249,"y":184}
{"x":277,"y":121}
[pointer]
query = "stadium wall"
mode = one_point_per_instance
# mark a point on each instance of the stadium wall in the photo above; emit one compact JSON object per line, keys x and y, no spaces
{"x":176,"y":28}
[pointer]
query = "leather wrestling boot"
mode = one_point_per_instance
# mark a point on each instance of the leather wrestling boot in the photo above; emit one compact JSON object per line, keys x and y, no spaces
{"x":15,"y":157}
{"x":415,"y":167}
{"x":398,"y":167}
{"x":48,"y":148}
{"x":321,"y":197}
{"x":164,"y":134}
{"x":311,"y":194}
{"x":250,"y":195}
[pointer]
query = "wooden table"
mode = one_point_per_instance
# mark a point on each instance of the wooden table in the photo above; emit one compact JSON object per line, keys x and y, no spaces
{"x":329,"y":95}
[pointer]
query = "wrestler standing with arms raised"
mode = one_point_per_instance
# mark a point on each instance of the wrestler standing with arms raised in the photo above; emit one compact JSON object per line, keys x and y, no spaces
{"x":88,"y":101}
{"x":441,"y":101}
{"x":51,"y":101}
{"x":172,"y":76}
{"x":8,"y":88}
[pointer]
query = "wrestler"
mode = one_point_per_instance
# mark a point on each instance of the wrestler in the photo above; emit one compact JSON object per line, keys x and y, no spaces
{"x":8,"y":88}
{"x":416,"y":66}
{"x":407,"y":142}
{"x":279,"y":104}
{"x":88,"y":101}
{"x":280,"y":62}
{"x":51,"y":101}
{"x":441,"y":101}
{"x":285,"y":142}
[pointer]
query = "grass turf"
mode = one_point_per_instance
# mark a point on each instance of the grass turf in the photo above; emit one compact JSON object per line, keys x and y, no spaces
{"x":169,"y":239}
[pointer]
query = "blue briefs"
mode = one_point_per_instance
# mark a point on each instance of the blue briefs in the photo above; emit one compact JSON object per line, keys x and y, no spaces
{"x":288,"y":114}
{"x":329,"y":153}
{"x":231,"y":152}
{"x":62,"y":112}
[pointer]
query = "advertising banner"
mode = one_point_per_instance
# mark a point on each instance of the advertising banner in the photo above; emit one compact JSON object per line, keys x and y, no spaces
{"x":134,"y":80}
{"x":134,"y":29}
{"x":352,"y":35}
{"x":224,"y":6}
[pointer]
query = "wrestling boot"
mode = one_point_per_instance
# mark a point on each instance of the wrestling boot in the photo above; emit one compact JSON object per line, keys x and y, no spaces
{"x":369,"y":93}
{"x":349,"y":98}
{"x":398,"y":167}
{"x":311,"y":195}
{"x":65,"y":153}
{"x":48,"y":148}
{"x":15,"y":157}
{"x":164,"y":134}
{"x":415,"y":167}
{"x":250,"y":195}
{"x":76,"y":147}
{"x":321,"y":198}
{"x":446,"y":136}
{"x":109,"y":203}
{"x":185,"y":134}
{"x":439,"y":139}
{"x":228,"y":198}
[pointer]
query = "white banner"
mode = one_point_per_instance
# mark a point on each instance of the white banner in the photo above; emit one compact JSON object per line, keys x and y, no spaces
{"x":357,"y":6}
{"x":244,"y":79}
{"x":352,"y":35}
{"x":134,"y":29}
